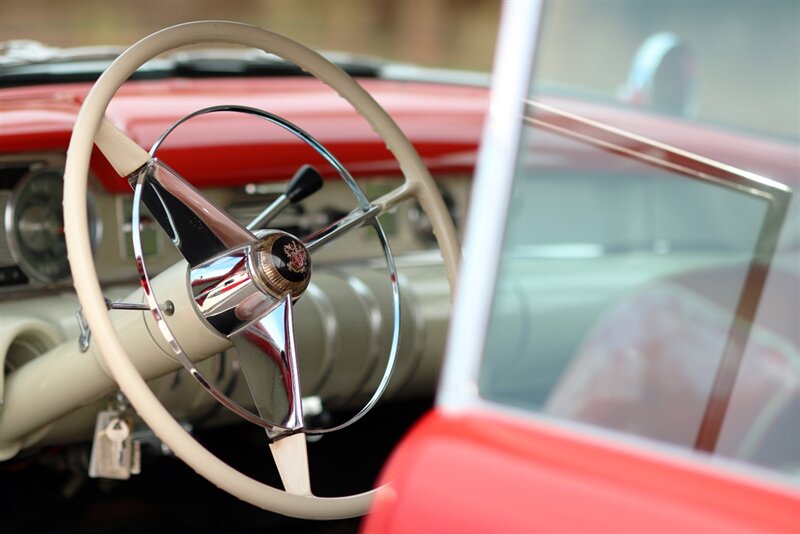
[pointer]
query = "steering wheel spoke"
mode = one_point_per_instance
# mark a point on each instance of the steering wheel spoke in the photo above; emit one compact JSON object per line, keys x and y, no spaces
{"x":122,"y":152}
{"x":268,"y":358}
{"x":267,"y":354}
{"x":291,"y":458}
{"x":352,"y":221}
{"x":198,"y":227}
{"x":179,"y":208}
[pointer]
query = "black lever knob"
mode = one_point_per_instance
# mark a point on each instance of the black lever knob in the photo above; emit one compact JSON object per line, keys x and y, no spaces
{"x":305,"y":182}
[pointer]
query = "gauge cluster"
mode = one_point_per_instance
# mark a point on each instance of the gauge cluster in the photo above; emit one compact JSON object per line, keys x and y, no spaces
{"x":34,"y":225}
{"x":33,"y":250}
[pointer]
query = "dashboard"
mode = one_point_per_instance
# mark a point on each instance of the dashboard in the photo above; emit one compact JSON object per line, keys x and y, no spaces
{"x":343,"y":321}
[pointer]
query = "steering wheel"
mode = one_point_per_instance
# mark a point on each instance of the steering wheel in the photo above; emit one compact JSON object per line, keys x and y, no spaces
{"x":128,"y":159}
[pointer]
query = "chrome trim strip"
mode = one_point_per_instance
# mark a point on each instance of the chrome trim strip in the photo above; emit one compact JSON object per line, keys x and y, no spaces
{"x":634,"y":146}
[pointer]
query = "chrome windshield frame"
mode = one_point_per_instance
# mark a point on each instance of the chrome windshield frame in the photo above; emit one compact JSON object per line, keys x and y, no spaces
{"x":486,"y":223}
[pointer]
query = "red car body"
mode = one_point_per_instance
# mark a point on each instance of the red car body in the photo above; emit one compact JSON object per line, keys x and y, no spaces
{"x":486,"y":472}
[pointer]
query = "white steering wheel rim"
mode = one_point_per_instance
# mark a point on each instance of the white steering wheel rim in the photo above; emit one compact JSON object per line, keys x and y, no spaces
{"x":418,"y":183}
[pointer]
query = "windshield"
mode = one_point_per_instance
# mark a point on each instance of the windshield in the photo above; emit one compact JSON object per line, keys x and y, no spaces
{"x":729,"y":63}
{"x":648,"y":290}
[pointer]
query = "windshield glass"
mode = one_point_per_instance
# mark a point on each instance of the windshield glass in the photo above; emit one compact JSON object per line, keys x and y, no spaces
{"x":648,"y":290}
{"x":729,"y":63}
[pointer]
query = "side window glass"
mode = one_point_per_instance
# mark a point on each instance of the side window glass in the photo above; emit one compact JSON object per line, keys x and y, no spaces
{"x":633,"y":297}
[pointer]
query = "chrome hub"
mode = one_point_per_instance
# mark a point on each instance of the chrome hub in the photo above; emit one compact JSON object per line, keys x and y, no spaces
{"x":281,"y":265}
{"x":242,"y":285}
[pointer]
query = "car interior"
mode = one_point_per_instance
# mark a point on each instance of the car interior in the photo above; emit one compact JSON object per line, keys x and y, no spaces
{"x":228,"y":268}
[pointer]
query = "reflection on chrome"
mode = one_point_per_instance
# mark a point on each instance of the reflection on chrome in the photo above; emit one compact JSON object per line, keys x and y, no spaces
{"x":139,"y":178}
{"x":225,"y":295}
{"x":244,"y":284}
{"x":182,"y":211}
{"x":267,"y":354}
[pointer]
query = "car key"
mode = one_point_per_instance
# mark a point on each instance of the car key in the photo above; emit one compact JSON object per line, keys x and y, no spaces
{"x":117,"y":432}
{"x":112,"y":448}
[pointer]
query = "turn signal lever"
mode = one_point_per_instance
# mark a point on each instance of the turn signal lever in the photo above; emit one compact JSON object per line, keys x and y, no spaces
{"x":305,"y":182}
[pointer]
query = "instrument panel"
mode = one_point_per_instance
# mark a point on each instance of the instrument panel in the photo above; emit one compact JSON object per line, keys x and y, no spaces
{"x":33,"y":254}
{"x":34,"y":224}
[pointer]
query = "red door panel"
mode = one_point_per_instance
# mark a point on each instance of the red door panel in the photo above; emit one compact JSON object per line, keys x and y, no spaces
{"x":486,"y":473}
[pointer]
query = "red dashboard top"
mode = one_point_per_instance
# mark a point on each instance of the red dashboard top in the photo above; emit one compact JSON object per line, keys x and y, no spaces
{"x":443,"y":121}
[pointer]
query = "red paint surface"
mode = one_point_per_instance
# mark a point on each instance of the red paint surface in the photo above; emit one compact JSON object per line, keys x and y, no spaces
{"x":443,"y":122}
{"x":483,"y":472}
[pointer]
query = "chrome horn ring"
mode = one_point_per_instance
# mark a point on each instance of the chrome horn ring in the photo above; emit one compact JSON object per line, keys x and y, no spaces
{"x":253,"y":258}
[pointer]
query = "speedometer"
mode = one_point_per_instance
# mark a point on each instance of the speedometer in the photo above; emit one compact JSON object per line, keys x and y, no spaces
{"x":35,"y":225}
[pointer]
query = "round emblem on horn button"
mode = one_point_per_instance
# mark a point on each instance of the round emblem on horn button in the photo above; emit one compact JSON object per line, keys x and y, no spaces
{"x":283,"y":264}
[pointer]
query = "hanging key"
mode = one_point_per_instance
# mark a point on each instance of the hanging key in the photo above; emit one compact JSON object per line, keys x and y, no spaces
{"x":117,"y":432}
{"x":112,"y":446}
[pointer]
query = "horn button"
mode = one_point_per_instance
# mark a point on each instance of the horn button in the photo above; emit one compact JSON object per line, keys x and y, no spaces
{"x":281,"y":265}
